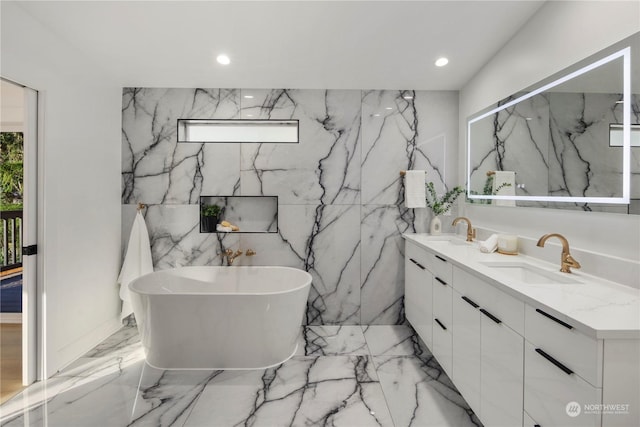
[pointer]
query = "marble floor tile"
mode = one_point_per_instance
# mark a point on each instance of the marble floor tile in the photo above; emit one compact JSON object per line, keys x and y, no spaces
{"x":123,"y":340}
{"x":419,"y":393}
{"x":393,"y":340}
{"x":331,"y":340}
{"x":333,"y":380}
{"x":323,"y":390}
{"x":76,"y":401}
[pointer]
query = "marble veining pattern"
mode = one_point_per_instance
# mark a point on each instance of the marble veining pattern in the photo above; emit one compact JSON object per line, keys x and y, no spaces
{"x":155,"y":168}
{"x":342,"y":379}
{"x":325,"y":166}
{"x":558,"y":144}
{"x":341,"y":200}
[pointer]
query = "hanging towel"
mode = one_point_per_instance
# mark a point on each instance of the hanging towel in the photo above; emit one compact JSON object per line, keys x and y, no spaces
{"x":414,"y":190}
{"x":137,"y":262}
{"x":500,"y":178}
{"x":489,"y":245}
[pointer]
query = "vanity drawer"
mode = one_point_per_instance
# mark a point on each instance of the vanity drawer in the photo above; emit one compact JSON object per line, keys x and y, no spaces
{"x":493,"y":301}
{"x":529,"y":422}
{"x":548,"y":393}
{"x":440,"y":267}
{"x":442,"y":301}
{"x":580,"y":353}
{"x":416,"y":255}
{"x":443,"y":344}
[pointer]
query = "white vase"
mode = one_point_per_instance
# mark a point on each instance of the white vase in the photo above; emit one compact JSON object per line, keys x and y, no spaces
{"x":435,"y":228}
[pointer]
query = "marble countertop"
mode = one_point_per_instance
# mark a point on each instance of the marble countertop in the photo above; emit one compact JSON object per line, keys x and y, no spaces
{"x":595,"y":306}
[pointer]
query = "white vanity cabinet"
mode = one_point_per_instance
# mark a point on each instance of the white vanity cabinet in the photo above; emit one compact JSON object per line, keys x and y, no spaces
{"x":487,"y":339}
{"x":529,"y":422}
{"x":418,"y":299}
{"x":569,"y":375}
{"x":428,"y":300}
{"x":516,"y":360}
{"x":442,"y":293}
{"x":466,"y":347}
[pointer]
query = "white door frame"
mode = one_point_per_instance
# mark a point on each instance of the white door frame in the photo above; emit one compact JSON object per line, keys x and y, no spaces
{"x":30,"y":289}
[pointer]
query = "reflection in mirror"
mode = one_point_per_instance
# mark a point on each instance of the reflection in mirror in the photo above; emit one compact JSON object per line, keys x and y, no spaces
{"x":552,"y":144}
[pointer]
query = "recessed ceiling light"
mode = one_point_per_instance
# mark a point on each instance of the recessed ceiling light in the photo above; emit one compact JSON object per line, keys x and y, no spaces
{"x":249,"y":115}
{"x":388,"y":108}
{"x":223,"y":59}
{"x":249,"y":96}
{"x":441,"y":62}
{"x":376,"y":115}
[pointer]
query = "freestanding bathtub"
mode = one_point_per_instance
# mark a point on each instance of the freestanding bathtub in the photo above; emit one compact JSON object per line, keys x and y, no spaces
{"x":220,"y":317}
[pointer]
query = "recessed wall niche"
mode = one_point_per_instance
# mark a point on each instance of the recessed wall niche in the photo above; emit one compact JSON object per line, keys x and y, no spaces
{"x":238,"y":130}
{"x":251,"y":214}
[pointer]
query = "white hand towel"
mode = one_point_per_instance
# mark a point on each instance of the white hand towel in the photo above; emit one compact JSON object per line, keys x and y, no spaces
{"x":500,"y":178}
{"x":137,"y":262}
{"x":489,"y":245}
{"x":414,"y":190}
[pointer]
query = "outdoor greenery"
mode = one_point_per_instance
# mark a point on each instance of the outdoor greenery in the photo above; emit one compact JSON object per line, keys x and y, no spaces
{"x":11,"y":185}
{"x":441,"y":205}
{"x":11,"y":170}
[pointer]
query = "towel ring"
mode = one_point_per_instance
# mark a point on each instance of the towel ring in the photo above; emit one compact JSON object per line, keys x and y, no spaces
{"x":141,"y":206}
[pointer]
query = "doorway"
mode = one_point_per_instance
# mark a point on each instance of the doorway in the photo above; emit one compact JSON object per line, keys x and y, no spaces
{"x":18,"y":228}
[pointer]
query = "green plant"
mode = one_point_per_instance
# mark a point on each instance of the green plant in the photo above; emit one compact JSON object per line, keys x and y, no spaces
{"x":441,"y":205}
{"x":211,"y":210}
{"x":487,"y":190}
{"x":11,"y":167}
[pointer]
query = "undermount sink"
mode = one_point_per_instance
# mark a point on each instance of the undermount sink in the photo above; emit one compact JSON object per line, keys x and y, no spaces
{"x":530,"y":274}
{"x":449,"y":239}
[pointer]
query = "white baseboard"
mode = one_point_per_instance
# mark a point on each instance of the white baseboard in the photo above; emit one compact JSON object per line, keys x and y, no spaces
{"x":10,"y":317}
{"x":69,"y":353}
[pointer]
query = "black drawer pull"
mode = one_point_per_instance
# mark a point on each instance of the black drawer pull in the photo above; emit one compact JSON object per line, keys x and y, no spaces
{"x":440,"y":258}
{"x":536,"y":425}
{"x":470,"y":302}
{"x":441,"y":325}
{"x":490,"y":316}
{"x":441,"y":281}
{"x":555,"y":319}
{"x":554,"y":361}
{"x":417,"y":263}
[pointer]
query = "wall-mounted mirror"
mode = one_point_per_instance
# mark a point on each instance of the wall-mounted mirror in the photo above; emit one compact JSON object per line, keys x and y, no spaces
{"x":566,"y":142}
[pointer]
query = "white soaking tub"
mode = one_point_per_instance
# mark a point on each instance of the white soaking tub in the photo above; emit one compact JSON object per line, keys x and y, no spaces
{"x":220,"y":317}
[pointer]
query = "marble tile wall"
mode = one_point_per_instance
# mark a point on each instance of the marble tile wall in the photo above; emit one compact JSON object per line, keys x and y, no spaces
{"x":341,"y":200}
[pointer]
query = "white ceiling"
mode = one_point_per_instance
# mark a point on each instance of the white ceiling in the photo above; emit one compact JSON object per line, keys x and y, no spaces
{"x":287,"y":44}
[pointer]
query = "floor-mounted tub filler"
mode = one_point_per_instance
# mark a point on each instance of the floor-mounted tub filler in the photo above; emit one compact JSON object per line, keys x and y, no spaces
{"x":220,"y":317}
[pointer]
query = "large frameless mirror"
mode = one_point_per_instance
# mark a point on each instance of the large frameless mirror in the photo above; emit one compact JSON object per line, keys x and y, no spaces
{"x":565,"y":142}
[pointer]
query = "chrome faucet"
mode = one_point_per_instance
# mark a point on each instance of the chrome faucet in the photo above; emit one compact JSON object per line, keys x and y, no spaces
{"x":231,"y":256}
{"x":471,"y":232}
{"x":566,"y":260}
